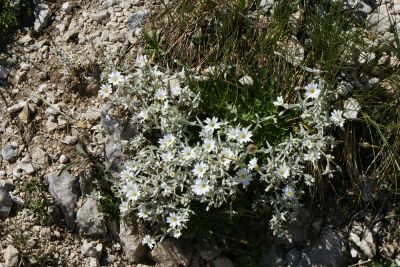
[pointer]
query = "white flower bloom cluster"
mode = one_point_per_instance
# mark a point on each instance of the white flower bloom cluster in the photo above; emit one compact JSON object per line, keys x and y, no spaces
{"x":179,"y":159}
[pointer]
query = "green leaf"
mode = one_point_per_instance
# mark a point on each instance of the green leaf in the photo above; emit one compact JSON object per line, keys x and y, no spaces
{"x":69,"y":166}
{"x":82,"y":150}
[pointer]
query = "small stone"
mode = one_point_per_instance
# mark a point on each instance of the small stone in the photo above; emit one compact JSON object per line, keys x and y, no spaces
{"x":246,"y":80}
{"x":88,"y":249}
{"x":108,"y":3}
{"x":70,"y":140}
{"x":223,"y":262}
{"x":137,"y":19}
{"x":4,"y":72}
{"x":16,"y":107}
{"x":11,"y":256}
{"x":7,"y":185}
{"x":344,"y":88}
{"x":63,"y":159}
{"x":45,"y":232}
{"x":91,"y":115}
{"x":53,"y":110}
{"x":25,"y":67}
{"x":51,"y":126}
{"x":20,"y":76}
{"x":27,"y":166}
{"x":25,"y":40}
{"x":5,"y":203}
{"x":66,"y":7}
{"x":101,"y":17}
{"x":9,"y":152}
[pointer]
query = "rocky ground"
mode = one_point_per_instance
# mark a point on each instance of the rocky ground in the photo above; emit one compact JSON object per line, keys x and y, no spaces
{"x":49,"y":79}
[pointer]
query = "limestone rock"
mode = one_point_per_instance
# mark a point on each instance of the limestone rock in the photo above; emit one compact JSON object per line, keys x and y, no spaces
{"x":64,"y":188}
{"x":132,"y":245}
{"x":42,"y":16}
{"x":325,"y":251}
{"x":170,"y":253}
{"x":11,"y":256}
{"x":4,"y":72}
{"x":90,"y":220}
{"x":9,"y":152}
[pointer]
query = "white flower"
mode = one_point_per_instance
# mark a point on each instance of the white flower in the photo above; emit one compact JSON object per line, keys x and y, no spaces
{"x":126,"y":175}
{"x":336,"y":118}
{"x":161,"y":94}
{"x":209,"y":145}
{"x":200,"y":169}
{"x":133,"y":166}
{"x":246,"y":80}
{"x":279,"y":101}
{"x":289,"y":193}
{"x":201,"y":187}
{"x":131,"y":191}
{"x":141,"y":60}
{"x":105,"y":91}
{"x":227,"y":155}
{"x":149,"y":241}
{"x":167,"y":141}
{"x":143,"y":212}
{"x":232,"y":133}
{"x":168,"y":156}
{"x":244,"y":177}
{"x":253,"y":164}
{"x":283,"y":171}
{"x":174,"y":220}
{"x":175,"y":87}
{"x":312,"y":156}
{"x":144,"y":115}
{"x":308,"y":179}
{"x":176,"y":233}
{"x":188,"y":153}
{"x":211,"y":124}
{"x":124,"y":207}
{"x":115,"y":78}
{"x":156,"y":72}
{"x":312,"y":90}
{"x":244,"y":135}
{"x":351,"y":108}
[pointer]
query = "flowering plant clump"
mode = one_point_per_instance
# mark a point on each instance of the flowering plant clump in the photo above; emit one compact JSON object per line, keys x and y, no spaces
{"x":180,"y":159}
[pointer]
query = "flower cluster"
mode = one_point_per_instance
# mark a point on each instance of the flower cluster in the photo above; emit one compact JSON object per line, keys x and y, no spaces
{"x":180,"y":159}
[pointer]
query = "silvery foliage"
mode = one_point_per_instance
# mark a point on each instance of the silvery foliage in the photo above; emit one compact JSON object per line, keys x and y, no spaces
{"x":179,"y":159}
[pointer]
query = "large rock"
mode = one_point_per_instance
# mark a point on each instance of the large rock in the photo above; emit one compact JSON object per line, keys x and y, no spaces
{"x":42,"y":16}
{"x":132,"y":245}
{"x":169,"y":253}
{"x":64,"y":189}
{"x":90,"y":220}
{"x":115,"y":132}
{"x":325,"y":251}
